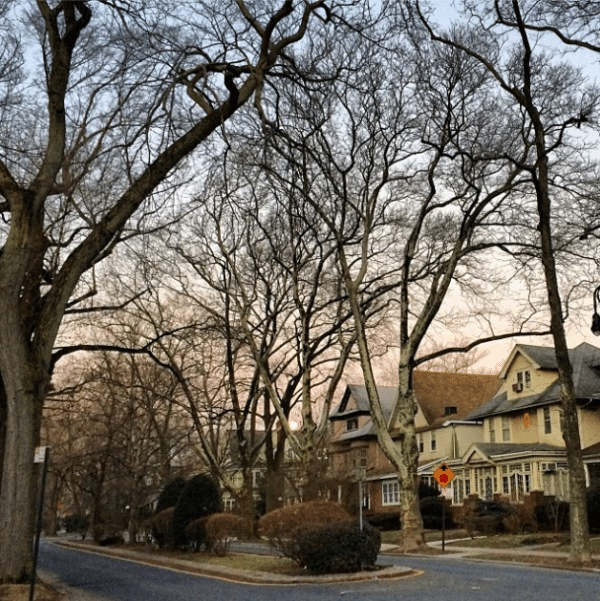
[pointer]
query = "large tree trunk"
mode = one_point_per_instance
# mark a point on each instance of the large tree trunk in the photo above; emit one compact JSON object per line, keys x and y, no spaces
{"x":17,"y":492}
{"x":410,"y":511}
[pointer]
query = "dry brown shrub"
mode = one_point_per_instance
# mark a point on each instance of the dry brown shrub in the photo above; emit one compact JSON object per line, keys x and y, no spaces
{"x":161,"y":526}
{"x":521,"y":520}
{"x":279,"y":526}
{"x":220,"y":529}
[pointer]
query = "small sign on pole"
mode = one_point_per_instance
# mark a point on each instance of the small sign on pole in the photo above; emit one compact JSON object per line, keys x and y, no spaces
{"x":42,"y":455}
{"x":444,"y":475}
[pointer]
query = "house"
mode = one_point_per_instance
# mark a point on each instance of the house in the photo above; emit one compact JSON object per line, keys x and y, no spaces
{"x":443,"y":401}
{"x":522,"y":449}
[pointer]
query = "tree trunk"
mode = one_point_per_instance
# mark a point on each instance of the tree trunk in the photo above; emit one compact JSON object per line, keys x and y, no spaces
{"x":17,"y":493}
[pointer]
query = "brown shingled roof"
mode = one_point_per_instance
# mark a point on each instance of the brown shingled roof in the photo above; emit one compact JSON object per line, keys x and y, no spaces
{"x":437,"y":390}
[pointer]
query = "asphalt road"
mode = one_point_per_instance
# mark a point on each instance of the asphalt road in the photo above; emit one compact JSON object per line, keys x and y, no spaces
{"x":100,"y":578}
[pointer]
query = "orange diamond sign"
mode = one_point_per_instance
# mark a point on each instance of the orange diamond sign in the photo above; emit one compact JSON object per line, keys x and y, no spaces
{"x":443,"y":475}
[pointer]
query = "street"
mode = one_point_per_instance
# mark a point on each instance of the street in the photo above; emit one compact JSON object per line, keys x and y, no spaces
{"x":109,"y":579}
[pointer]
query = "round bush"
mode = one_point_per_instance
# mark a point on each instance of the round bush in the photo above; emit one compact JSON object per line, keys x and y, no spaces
{"x":280,"y":525}
{"x":337,"y":547}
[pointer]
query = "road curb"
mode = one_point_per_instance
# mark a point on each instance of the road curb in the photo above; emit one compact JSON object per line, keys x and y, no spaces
{"x":237,"y":575}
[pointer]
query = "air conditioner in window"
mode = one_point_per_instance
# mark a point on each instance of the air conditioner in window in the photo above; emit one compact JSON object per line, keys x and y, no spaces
{"x":518,"y":387}
{"x":549,"y":467}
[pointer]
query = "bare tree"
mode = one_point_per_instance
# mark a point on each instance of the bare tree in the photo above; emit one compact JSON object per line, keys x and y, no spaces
{"x":115,"y":433}
{"x":553,"y":102}
{"x":116,"y":98}
{"x":430,"y":186}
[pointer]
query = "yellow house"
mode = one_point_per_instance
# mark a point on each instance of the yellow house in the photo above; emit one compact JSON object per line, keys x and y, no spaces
{"x":443,"y":400}
{"x":522,"y":448}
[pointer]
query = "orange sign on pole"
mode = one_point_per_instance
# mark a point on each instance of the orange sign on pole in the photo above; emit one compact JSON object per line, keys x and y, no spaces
{"x":443,"y":475}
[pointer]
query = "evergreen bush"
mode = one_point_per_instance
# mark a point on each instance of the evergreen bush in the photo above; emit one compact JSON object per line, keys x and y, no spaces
{"x":431,"y":512}
{"x":336,"y":547}
{"x":200,"y":497}
{"x":170,"y":495}
{"x":593,"y":507}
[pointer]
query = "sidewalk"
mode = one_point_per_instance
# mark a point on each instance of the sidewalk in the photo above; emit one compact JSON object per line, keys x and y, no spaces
{"x":543,"y":550}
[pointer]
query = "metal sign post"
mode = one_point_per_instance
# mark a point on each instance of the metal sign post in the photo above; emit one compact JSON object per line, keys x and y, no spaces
{"x":361,"y":474}
{"x":42,"y":455}
{"x":444,"y":475}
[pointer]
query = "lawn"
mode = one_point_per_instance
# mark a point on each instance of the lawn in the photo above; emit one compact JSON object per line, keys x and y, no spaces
{"x":246,"y":561}
{"x":548,"y":562}
{"x":393,"y":536}
{"x":515,"y":541}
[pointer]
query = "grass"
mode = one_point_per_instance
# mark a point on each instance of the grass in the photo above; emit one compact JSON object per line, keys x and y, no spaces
{"x":246,"y":561}
{"x":498,"y":541}
{"x":20,"y":592}
{"x":594,"y":547}
{"x":393,"y":536}
{"x":548,"y":562}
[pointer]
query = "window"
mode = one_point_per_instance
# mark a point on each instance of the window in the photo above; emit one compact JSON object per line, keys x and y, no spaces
{"x":524,"y":379}
{"x":390,"y":493}
{"x":492,"y":430}
{"x":450,"y":411}
{"x":547,"y":421}
{"x":458,"y":490}
{"x":228,"y":504}
{"x":505,"y":429}
{"x":421,"y":443}
{"x":516,"y":485}
{"x":352,"y":424}
{"x":433,"y":441}
{"x":360,"y":458}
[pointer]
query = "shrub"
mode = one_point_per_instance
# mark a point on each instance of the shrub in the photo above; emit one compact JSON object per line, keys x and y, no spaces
{"x":553,"y":516}
{"x":336,"y":547}
{"x":279,"y":526}
{"x":385,"y":522}
{"x":431,"y":512}
{"x":485,"y":517}
{"x":195,"y":533}
{"x":220,"y":529}
{"x":199,"y":498}
{"x":160,"y":525}
{"x":521,"y":520}
{"x":426,"y":491}
{"x":170,"y":495}
{"x":593,"y":507}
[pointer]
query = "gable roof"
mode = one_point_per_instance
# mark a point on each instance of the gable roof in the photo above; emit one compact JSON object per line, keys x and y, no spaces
{"x":541,"y":357}
{"x":434,"y":392}
{"x":497,"y":450}
{"x":585,"y":360}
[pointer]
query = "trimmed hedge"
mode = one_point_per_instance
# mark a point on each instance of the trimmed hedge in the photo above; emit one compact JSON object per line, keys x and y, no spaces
{"x":214,"y":532}
{"x":337,"y":547}
{"x":281,"y":525}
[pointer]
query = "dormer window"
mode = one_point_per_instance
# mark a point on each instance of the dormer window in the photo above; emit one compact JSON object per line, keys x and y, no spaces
{"x":523,"y":380}
{"x":450,"y":410}
{"x":352,"y":424}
